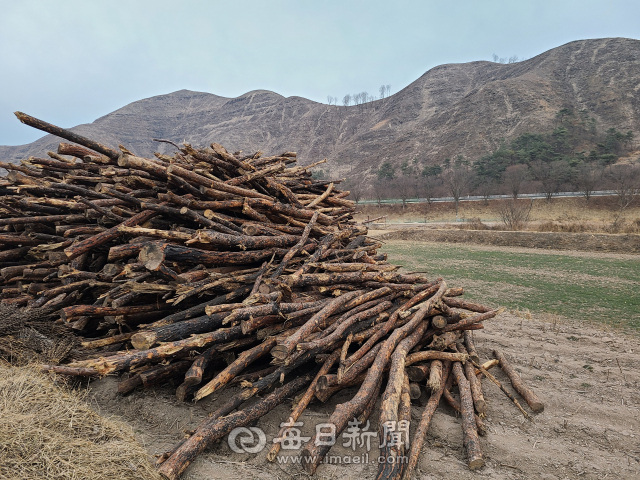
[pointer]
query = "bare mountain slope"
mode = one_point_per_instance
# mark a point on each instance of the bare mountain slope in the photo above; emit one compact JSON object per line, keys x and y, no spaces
{"x":458,"y":108}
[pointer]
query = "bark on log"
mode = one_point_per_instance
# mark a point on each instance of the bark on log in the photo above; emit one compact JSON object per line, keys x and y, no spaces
{"x":296,"y":248}
{"x":425,"y":421}
{"x":391,"y":399}
{"x":90,"y":243}
{"x":213,"y":430}
{"x":470,"y":346}
{"x":313,"y":454}
{"x":459,"y":303}
{"x":435,"y":355}
{"x":136,"y":358}
{"x":303,"y":403}
{"x":244,"y":242}
{"x":67,"y":135}
{"x":475,"y":386}
{"x":71,"y":371}
{"x":530,"y":397}
{"x":245,"y":359}
{"x":195,"y":372}
{"x":471,"y":441}
{"x":153,"y":255}
{"x":286,"y":347}
{"x":164,"y":373}
{"x":417,"y":373}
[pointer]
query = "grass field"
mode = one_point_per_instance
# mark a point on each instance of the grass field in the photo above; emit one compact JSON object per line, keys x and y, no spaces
{"x":597,"y":288}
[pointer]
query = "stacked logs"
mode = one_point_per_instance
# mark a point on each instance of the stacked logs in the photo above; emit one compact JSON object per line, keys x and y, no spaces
{"x":213,"y":269}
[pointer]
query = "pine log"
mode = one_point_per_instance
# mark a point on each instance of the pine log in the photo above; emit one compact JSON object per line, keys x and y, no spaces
{"x":474,"y":384}
{"x":471,"y":441}
{"x":196,"y":371}
{"x":244,"y":242}
{"x":245,"y":359}
{"x":459,"y":303}
{"x":215,"y":428}
{"x":303,"y":403}
{"x":418,"y":373}
{"x":164,"y":373}
{"x":393,"y":465}
{"x":137,"y":358}
{"x":435,"y":355}
{"x":471,"y":348}
{"x":90,"y":243}
{"x":391,"y":399}
{"x":153,"y":255}
{"x":286,"y":347}
{"x":530,"y":397}
{"x":425,"y":421}
{"x":313,"y":454}
{"x":67,"y":135}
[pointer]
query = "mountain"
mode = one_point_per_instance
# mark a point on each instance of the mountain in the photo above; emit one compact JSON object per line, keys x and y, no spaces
{"x":452,"y":109}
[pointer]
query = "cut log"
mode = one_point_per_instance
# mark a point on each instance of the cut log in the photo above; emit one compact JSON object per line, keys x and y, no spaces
{"x":529,"y":396}
{"x":217,"y":428}
{"x":425,"y":421}
{"x":471,"y":441}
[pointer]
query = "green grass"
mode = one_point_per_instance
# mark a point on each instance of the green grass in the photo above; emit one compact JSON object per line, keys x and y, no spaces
{"x":579,"y":287}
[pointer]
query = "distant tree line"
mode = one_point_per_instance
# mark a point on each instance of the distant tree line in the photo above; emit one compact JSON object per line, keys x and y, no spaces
{"x":573,"y":156}
{"x":360,"y":98}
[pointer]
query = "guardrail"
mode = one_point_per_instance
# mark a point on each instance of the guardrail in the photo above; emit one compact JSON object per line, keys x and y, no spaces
{"x":475,"y":198}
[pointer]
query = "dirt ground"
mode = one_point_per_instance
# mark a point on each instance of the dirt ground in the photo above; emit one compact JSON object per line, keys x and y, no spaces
{"x":590,"y":429}
{"x":583,"y":242}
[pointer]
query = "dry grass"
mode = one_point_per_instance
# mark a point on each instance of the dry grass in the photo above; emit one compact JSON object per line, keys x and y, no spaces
{"x":571,"y":215}
{"x":49,"y":432}
{"x":29,"y":335}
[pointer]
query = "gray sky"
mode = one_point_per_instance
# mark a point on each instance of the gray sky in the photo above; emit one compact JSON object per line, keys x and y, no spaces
{"x":70,"y":62}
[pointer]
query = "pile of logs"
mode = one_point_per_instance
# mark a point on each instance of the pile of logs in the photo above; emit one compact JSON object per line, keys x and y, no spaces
{"x":213,"y":269}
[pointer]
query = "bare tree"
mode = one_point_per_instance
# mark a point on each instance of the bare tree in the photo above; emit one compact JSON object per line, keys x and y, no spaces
{"x":382,"y":91}
{"x":587,"y":179}
{"x":380,"y":190}
{"x":513,"y":59}
{"x":364,"y":96}
{"x":513,"y":178}
{"x":416,"y":186}
{"x":388,"y":88}
{"x":346,"y":100}
{"x":428,"y":187}
{"x":357,"y":186}
{"x":402,"y":188}
{"x":496,"y":58}
{"x":625,"y":181}
{"x":457,"y":179}
{"x":515,"y":214}
{"x":485,"y":188}
{"x":551,"y":175}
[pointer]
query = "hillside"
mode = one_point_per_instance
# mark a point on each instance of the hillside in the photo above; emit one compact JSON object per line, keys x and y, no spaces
{"x":452,"y":109}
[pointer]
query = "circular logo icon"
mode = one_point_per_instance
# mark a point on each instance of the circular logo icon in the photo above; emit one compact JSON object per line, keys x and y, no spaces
{"x":246,"y":437}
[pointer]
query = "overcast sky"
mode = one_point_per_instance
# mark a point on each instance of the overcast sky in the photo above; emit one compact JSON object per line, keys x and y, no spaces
{"x":70,"y":62}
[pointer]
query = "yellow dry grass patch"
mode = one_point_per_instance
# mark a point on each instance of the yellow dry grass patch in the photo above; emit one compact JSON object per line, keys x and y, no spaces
{"x":49,"y":432}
